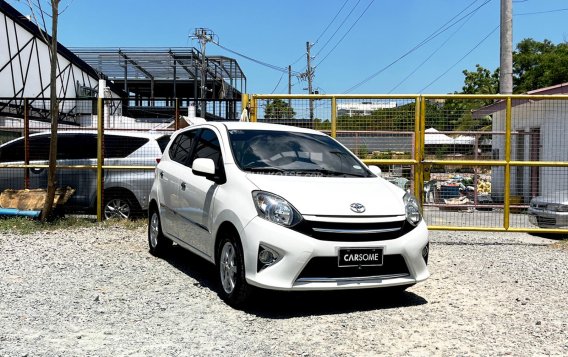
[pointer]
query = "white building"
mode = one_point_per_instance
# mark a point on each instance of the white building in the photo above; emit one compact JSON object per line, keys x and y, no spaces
{"x":363,"y":108}
{"x":539,"y":133}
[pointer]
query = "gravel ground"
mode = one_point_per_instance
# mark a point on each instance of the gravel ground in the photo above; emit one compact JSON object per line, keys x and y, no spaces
{"x":98,"y":292}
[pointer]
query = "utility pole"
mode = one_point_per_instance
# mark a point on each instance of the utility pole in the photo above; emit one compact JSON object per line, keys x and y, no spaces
{"x":506,"y":56}
{"x":310,"y":76}
{"x":289,"y":84}
{"x":204,"y":36}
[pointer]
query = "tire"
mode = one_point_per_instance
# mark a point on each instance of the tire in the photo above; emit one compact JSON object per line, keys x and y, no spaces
{"x":158,"y":244}
{"x":118,"y":207}
{"x":234,"y":289}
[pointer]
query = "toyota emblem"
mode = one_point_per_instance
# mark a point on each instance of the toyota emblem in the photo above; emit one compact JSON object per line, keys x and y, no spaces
{"x":357,"y":208}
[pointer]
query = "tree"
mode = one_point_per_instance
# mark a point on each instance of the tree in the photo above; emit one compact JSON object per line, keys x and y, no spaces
{"x":539,"y":64}
{"x":535,"y":65}
{"x":481,"y":81}
{"x":278,"y":109}
{"x":51,"y":42}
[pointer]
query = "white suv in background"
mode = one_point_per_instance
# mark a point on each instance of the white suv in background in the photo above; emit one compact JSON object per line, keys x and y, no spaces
{"x":125,"y":191}
{"x":284,"y":208}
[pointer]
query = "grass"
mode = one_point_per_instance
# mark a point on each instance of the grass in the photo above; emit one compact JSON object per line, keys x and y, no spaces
{"x":563,"y":244}
{"x":21,"y":225}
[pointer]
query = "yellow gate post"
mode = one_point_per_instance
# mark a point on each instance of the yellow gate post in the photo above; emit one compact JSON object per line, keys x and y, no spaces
{"x":507,"y":188}
{"x":244,"y":104}
{"x":419,"y":125}
{"x":333,"y":117}
{"x":253,"y":113}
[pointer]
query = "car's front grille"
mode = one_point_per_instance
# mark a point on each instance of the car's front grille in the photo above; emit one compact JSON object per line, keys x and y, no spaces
{"x":545,"y":221}
{"x":324,"y":268}
{"x":353,"y":232}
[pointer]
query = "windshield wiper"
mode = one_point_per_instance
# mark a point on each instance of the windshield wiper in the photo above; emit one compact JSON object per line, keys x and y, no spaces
{"x":263,"y":169}
{"x":330,"y":172}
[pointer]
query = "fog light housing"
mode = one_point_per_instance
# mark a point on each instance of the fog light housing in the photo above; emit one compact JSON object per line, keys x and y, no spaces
{"x":426,"y":252}
{"x":266,"y":257}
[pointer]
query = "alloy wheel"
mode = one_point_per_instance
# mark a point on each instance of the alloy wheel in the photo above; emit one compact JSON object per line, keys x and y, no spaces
{"x":117,"y":208}
{"x":228,"y":267}
{"x":154,"y":229}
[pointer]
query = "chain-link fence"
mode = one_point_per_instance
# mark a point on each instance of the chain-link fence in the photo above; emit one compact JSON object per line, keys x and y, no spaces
{"x":482,"y":162}
{"x":477,"y":162}
{"x":106,"y":151}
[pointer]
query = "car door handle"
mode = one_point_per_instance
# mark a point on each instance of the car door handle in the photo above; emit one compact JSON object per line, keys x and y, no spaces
{"x":161,"y":175}
{"x":183,"y":186}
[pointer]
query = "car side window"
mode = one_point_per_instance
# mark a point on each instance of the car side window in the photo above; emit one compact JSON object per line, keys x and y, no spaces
{"x":12,"y":152}
{"x":163,"y":142}
{"x":181,"y":147}
{"x":76,"y":146}
{"x":117,"y":146}
{"x":39,"y":148}
{"x":207,"y":147}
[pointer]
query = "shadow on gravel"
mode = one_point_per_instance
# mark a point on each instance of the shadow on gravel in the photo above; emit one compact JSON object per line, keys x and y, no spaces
{"x":490,"y":244}
{"x":283,"y":305}
{"x":553,"y":236}
{"x":193,"y":266}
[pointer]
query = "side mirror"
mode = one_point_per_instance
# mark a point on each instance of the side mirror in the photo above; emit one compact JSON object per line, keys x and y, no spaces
{"x":375,"y":170}
{"x":203,"y":167}
{"x":206,"y":168}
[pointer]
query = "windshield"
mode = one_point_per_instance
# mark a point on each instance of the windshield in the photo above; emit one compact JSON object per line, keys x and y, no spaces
{"x":292,"y":153}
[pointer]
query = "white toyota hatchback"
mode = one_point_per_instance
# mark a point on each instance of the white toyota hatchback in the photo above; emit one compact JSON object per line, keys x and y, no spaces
{"x":284,"y":208}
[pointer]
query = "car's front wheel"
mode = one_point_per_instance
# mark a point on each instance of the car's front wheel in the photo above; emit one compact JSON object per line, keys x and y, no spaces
{"x":117,"y":207}
{"x":234,"y":287}
{"x":157,"y":242}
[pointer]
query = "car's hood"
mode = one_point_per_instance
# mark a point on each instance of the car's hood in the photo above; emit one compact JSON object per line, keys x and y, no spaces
{"x":553,"y":197}
{"x":333,"y":196}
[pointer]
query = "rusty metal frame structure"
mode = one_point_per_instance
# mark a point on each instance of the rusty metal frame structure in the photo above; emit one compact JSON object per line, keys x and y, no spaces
{"x":24,"y":56}
{"x":149,"y":75}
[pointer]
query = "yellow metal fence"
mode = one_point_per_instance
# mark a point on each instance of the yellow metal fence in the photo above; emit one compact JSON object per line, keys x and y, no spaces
{"x":475,"y":162}
{"x":478,"y":162}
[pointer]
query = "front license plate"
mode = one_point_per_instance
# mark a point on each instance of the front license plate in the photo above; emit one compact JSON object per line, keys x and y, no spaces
{"x":350,"y":257}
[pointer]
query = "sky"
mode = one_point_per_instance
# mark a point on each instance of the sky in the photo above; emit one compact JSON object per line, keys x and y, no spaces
{"x":358,"y":46}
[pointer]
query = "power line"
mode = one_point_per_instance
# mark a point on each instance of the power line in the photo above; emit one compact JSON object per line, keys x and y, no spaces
{"x":277,"y":84}
{"x":340,"y":26}
{"x":299,"y":58}
{"x":262,"y":63}
{"x":461,"y":59}
{"x":432,"y":54}
{"x":332,"y":20}
{"x":540,"y":12}
{"x":433,"y":35}
{"x":324,"y":31}
{"x":349,"y":30}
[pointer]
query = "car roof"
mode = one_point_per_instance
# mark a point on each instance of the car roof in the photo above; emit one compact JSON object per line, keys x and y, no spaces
{"x":236,"y":125}
{"x":128,"y":133}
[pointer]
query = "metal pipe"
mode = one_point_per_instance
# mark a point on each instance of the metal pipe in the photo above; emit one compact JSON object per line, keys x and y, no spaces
{"x":14,"y":212}
{"x":507,"y":191}
{"x":333,"y":117}
{"x":100,"y":159}
{"x":419,"y":139}
{"x":26,"y":144}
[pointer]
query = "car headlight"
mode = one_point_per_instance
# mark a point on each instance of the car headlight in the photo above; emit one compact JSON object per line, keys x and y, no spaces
{"x":413,"y":215}
{"x":275,"y":209}
{"x":557,"y":207}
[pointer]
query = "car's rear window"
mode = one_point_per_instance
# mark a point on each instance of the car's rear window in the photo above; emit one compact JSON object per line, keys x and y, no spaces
{"x":163,"y":142}
{"x":117,"y":146}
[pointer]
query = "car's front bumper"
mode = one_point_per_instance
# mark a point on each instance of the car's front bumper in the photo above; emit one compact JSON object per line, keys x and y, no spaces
{"x":404,"y":263}
{"x":547,"y":219}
